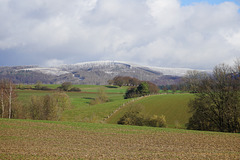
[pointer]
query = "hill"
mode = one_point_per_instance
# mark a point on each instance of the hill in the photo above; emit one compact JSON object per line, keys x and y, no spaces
{"x":26,"y":139}
{"x":173,"y":106}
{"x":94,"y":73}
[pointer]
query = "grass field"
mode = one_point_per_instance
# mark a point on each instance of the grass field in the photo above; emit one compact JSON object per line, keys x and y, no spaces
{"x":82,"y":110}
{"x":173,"y":106}
{"x":26,"y":139}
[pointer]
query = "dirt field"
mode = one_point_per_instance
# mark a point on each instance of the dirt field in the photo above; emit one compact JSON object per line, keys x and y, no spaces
{"x":62,"y":140}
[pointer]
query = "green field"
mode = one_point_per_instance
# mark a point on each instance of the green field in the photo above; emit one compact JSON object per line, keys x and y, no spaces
{"x":81,"y":109}
{"x":173,"y":106}
{"x":28,"y":139}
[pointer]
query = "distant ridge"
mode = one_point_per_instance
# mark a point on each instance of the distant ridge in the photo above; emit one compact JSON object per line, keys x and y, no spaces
{"x":95,"y":72}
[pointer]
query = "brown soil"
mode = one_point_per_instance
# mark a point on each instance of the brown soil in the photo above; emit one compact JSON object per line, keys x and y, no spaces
{"x":39,"y":140}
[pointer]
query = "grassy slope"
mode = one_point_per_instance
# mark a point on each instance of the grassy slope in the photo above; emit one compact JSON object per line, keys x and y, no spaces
{"x":173,"y":106}
{"x":81,"y":110}
{"x":27,"y":139}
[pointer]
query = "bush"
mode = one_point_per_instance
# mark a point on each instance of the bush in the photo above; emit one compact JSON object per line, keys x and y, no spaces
{"x":156,"y":121}
{"x":49,"y":107}
{"x":75,"y":89}
{"x":102,"y":97}
{"x":45,"y":88}
{"x":131,"y":93}
{"x":134,"y":117}
{"x":141,"y":90}
{"x":66,"y":86}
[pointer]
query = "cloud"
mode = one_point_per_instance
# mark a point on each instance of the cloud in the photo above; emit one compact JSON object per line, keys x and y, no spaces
{"x":53,"y":62}
{"x":151,"y":32}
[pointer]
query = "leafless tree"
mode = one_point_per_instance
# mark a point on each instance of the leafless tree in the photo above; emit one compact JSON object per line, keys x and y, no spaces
{"x":8,"y":95}
{"x":217,"y":104}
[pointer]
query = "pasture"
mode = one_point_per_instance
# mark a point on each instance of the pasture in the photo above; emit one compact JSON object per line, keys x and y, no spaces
{"x":27,"y":139}
{"x":81,"y":109}
{"x":173,"y":106}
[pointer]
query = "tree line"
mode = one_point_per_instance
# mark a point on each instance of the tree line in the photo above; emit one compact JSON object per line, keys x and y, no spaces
{"x":48,"y":107}
{"x":216,"y":106}
{"x":136,"y":88}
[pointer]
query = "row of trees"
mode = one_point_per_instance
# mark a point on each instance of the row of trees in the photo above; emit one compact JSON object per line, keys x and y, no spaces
{"x":144,"y":88}
{"x":66,"y":86}
{"x":137,"y":88}
{"x":216,"y":106}
{"x":124,"y":81}
{"x":49,"y":107}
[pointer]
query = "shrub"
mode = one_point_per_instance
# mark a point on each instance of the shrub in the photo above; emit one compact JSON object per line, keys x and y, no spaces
{"x":134,"y":117}
{"x":75,"y":89}
{"x":65,"y":86}
{"x":49,"y":107}
{"x":45,"y":88}
{"x":131,"y":93}
{"x":102,"y":97}
{"x":141,"y":90}
{"x":157,"y":121}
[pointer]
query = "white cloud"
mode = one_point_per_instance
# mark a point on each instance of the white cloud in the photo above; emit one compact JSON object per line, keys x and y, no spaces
{"x":152,"y":32}
{"x":53,"y":62}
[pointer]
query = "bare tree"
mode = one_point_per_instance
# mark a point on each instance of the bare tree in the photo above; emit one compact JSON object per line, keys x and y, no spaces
{"x":7,"y":97}
{"x":217,"y":104}
{"x":2,"y":98}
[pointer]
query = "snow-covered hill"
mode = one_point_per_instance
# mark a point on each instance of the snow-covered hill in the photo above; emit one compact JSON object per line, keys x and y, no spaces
{"x":99,"y":72}
{"x":107,"y":65}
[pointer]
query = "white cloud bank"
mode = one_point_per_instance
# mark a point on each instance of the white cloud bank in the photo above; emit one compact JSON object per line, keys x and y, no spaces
{"x":152,"y":32}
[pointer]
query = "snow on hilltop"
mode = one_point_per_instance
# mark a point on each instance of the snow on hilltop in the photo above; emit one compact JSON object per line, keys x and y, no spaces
{"x":111,"y":64}
{"x":51,"y":71}
{"x":106,"y":66}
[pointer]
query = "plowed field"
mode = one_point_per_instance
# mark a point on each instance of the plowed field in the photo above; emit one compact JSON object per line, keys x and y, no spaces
{"x":20,"y":139}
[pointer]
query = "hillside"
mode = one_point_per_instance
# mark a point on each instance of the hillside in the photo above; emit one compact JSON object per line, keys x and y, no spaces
{"x":173,"y":106}
{"x":26,"y":139}
{"x":94,"y":73}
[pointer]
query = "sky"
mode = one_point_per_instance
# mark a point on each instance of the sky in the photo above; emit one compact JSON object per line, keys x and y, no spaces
{"x":164,"y":33}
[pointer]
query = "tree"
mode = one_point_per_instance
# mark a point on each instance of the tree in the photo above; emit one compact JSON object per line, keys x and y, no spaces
{"x":38,"y":85}
{"x":131,"y":93}
{"x":124,"y":81}
{"x":216,"y":106}
{"x":192,"y":80}
{"x":143,"y":89}
{"x":66,"y":86}
{"x":2,"y":87}
{"x":48,"y":107}
{"x":153,"y":89}
{"x":8,"y":97}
